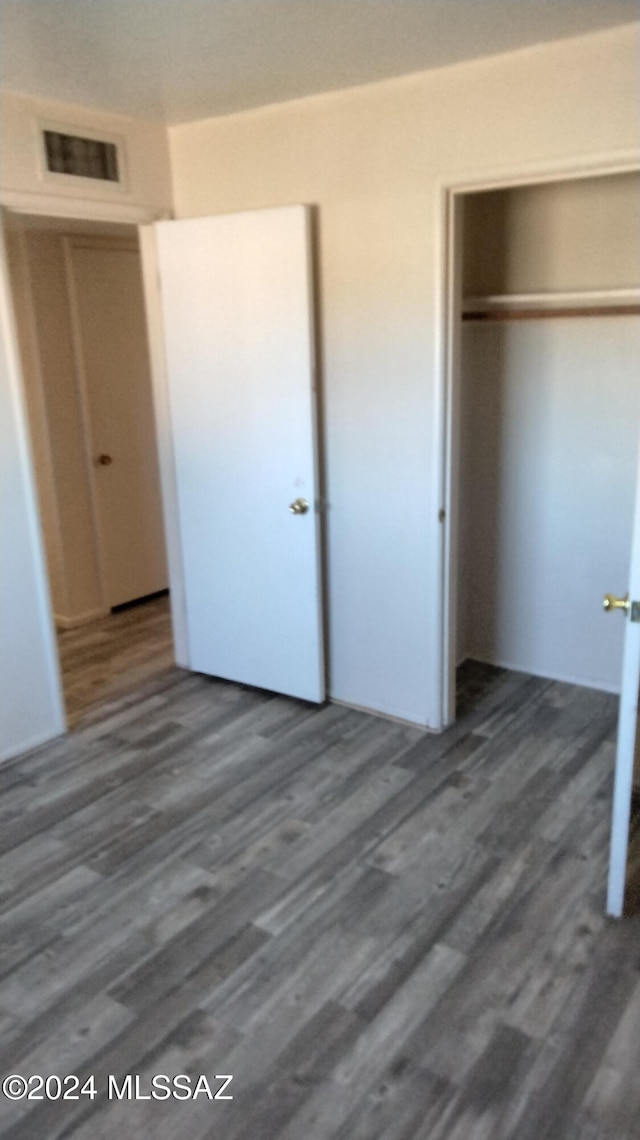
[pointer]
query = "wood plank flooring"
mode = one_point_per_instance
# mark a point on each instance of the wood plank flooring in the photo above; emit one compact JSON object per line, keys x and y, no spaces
{"x":108,"y":658}
{"x":381,"y":934}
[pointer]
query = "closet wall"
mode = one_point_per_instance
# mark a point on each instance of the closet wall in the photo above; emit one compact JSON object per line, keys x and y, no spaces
{"x":550,"y":415}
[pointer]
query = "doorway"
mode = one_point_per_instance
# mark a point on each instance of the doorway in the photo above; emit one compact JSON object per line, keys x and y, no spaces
{"x":543,"y":325}
{"x":544,"y":408}
{"x":78,"y":301}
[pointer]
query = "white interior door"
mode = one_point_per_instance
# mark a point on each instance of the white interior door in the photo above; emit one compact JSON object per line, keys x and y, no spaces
{"x":111,"y":342}
{"x":627,"y":746}
{"x":237,"y":314}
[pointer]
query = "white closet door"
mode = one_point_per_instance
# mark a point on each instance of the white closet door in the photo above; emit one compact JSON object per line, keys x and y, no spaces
{"x":237,"y":314}
{"x":628,"y":744}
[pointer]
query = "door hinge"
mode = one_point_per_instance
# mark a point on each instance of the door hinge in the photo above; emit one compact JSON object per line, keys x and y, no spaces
{"x":442,"y":514}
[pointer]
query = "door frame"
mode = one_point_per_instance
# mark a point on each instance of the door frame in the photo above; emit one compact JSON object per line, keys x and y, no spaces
{"x":448,"y":293}
{"x":164,"y":438}
{"x":73,"y":210}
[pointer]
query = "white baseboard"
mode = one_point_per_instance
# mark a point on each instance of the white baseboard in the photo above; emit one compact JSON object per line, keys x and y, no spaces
{"x":32,"y":743}
{"x":563,"y":678}
{"x":79,"y":619}
{"x":403,"y":720}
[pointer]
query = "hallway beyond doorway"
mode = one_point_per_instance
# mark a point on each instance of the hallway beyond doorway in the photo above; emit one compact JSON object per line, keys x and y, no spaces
{"x":103,"y":661}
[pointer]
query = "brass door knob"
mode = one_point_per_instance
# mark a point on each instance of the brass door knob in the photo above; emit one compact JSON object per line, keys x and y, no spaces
{"x":611,"y":602}
{"x":299,"y":507}
{"x":105,"y":460}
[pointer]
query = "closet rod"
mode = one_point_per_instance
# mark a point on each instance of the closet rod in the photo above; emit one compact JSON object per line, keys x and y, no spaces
{"x":544,"y":314}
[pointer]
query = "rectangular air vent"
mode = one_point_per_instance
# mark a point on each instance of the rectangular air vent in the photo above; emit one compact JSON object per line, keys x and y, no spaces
{"x":81,"y":157}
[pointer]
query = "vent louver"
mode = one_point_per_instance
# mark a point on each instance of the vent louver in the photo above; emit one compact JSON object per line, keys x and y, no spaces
{"x":80,"y":157}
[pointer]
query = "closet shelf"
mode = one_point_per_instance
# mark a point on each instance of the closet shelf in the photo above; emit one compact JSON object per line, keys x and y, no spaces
{"x":532,"y":306}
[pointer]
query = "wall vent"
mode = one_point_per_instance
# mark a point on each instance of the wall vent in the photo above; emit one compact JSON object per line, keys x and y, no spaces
{"x":81,"y":157}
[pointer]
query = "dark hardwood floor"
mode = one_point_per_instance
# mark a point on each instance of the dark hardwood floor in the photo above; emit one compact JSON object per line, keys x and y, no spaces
{"x":381,"y":934}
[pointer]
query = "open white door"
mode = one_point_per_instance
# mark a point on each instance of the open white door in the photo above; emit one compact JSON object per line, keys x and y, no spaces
{"x":238,"y":330}
{"x":627,"y":723}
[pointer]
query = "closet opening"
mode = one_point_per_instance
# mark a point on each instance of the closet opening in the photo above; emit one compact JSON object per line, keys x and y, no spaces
{"x":542,"y":413}
{"x":548,"y":409}
{"x":81,"y":324}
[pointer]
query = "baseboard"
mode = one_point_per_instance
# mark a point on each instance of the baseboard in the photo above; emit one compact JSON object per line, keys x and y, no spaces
{"x":141,"y":601}
{"x":383,"y":715}
{"x":79,"y":619}
{"x":31,"y":744}
{"x":567,"y":679}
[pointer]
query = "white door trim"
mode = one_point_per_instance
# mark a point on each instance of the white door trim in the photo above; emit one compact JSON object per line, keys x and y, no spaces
{"x":447,"y":293}
{"x":627,"y":734}
{"x":78,"y":209}
{"x":166,"y":457}
{"x":43,"y":596}
{"x":40,"y":415}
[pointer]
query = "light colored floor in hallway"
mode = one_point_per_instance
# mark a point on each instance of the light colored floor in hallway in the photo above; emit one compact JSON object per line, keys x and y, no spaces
{"x":103,"y":661}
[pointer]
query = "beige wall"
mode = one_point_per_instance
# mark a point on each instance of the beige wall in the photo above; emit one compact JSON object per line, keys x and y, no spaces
{"x":549,"y":448}
{"x":145,"y":144}
{"x":583,"y":234}
{"x":80,"y":593}
{"x":42,"y":271}
{"x":372,"y":160}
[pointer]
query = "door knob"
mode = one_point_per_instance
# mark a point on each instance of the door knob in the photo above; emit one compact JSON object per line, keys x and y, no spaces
{"x":611,"y":602}
{"x":299,"y":507}
{"x":105,"y":460}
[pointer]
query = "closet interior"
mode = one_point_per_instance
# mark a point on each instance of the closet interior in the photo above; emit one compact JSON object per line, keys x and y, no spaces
{"x":549,"y":419}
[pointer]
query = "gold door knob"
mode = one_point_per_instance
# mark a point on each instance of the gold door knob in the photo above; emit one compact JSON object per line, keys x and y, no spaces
{"x":105,"y":460}
{"x":611,"y":602}
{"x":299,"y":507}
